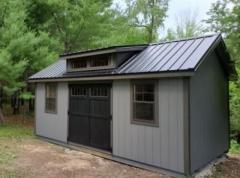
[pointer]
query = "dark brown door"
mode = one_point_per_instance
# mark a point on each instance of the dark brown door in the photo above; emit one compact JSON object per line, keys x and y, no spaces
{"x":90,"y":115}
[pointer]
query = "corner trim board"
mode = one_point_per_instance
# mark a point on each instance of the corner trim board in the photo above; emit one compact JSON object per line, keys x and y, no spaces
{"x":186,"y":105}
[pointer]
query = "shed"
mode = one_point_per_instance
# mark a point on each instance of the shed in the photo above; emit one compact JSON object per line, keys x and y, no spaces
{"x":163,"y":105}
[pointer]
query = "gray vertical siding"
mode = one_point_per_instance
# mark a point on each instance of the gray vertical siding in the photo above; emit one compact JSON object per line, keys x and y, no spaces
{"x":208,"y":113}
{"x":52,"y":126}
{"x":158,"y":146}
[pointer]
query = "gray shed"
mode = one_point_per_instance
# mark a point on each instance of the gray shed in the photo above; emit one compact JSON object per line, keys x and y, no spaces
{"x":161,"y":105}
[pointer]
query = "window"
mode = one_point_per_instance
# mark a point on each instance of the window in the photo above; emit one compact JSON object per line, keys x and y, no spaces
{"x":51,"y":98}
{"x":99,"y":91}
{"x":90,"y":62}
{"x":97,"y":62}
{"x":79,"y":64}
{"x":143,"y":105}
{"x":78,"y":91}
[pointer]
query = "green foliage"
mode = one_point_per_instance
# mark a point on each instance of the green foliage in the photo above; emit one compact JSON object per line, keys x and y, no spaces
{"x":120,"y":31}
{"x":224,"y":16}
{"x":148,"y":15}
{"x":34,"y":32}
{"x":14,"y":131}
{"x":235,"y":147}
{"x":235,"y":106}
{"x":22,"y":51}
{"x":74,"y":23}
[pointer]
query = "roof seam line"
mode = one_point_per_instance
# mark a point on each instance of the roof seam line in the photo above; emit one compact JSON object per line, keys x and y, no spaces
{"x":182,"y":54}
{"x":173,"y":54}
{"x":191,"y":53}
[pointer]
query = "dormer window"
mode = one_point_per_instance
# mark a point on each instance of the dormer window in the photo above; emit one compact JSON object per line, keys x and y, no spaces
{"x":77,"y":64}
{"x":99,"y":62}
{"x":96,"y":62}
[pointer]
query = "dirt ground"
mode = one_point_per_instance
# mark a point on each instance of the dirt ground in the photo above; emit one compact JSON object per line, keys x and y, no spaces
{"x":34,"y":158}
{"x":230,"y":168}
{"x":29,"y":157}
{"x":39,"y":159}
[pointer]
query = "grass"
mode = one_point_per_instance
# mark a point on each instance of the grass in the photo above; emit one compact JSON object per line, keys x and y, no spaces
{"x":8,"y":130}
{"x":11,"y":134}
{"x":235,"y":147}
{"x":6,"y":154}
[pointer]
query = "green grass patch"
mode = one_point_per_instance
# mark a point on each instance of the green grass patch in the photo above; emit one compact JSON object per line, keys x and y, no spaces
{"x":15,"y":131}
{"x":235,"y":147}
{"x":4,"y":173}
{"x":6,"y":155}
{"x":10,"y":136}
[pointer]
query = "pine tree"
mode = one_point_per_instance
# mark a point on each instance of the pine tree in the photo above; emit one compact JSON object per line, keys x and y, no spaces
{"x":21,"y":51}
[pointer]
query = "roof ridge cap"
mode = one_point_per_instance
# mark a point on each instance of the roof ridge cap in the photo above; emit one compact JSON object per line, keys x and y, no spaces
{"x":185,"y":39}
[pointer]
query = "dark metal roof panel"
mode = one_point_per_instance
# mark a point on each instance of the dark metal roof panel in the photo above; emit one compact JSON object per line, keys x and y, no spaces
{"x":181,"y":55}
{"x":55,"y":70}
{"x":170,"y":56}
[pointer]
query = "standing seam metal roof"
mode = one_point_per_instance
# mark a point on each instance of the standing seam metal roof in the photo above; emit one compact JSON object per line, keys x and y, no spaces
{"x":170,"y":56}
{"x":180,"y":55}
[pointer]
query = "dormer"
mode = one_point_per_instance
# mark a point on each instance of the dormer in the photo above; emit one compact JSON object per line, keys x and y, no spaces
{"x":100,"y":59}
{"x":96,"y":62}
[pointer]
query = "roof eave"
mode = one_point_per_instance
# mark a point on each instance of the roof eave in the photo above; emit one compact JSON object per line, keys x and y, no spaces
{"x":187,"y":73}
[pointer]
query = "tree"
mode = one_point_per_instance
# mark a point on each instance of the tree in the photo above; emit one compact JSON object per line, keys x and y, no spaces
{"x":148,"y":14}
{"x":120,"y":31}
{"x":75,"y":23}
{"x":187,"y":26}
{"x":224,"y":16}
{"x":22,"y":51}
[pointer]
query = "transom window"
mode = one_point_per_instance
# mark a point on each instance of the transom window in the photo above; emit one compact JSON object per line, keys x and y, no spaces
{"x":99,"y":91}
{"x":78,"y":91}
{"x":51,"y":98}
{"x":143,"y":109}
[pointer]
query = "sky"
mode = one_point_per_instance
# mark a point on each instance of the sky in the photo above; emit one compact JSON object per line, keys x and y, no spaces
{"x":198,"y":8}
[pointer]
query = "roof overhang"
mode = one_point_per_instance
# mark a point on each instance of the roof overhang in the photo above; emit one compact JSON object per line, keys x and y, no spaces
{"x":118,"y":77}
{"x":114,"y":49}
{"x":220,"y":48}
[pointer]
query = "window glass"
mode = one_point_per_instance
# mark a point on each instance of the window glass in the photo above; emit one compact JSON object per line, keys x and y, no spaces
{"x":99,"y":91}
{"x":143,"y":101}
{"x":79,"y":64}
{"x":89,"y":62}
{"x":51,"y":96}
{"x":97,"y":61}
{"x":78,"y":91}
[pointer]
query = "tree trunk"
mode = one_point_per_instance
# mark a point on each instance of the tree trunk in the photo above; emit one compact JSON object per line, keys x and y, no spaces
{"x":1,"y":116}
